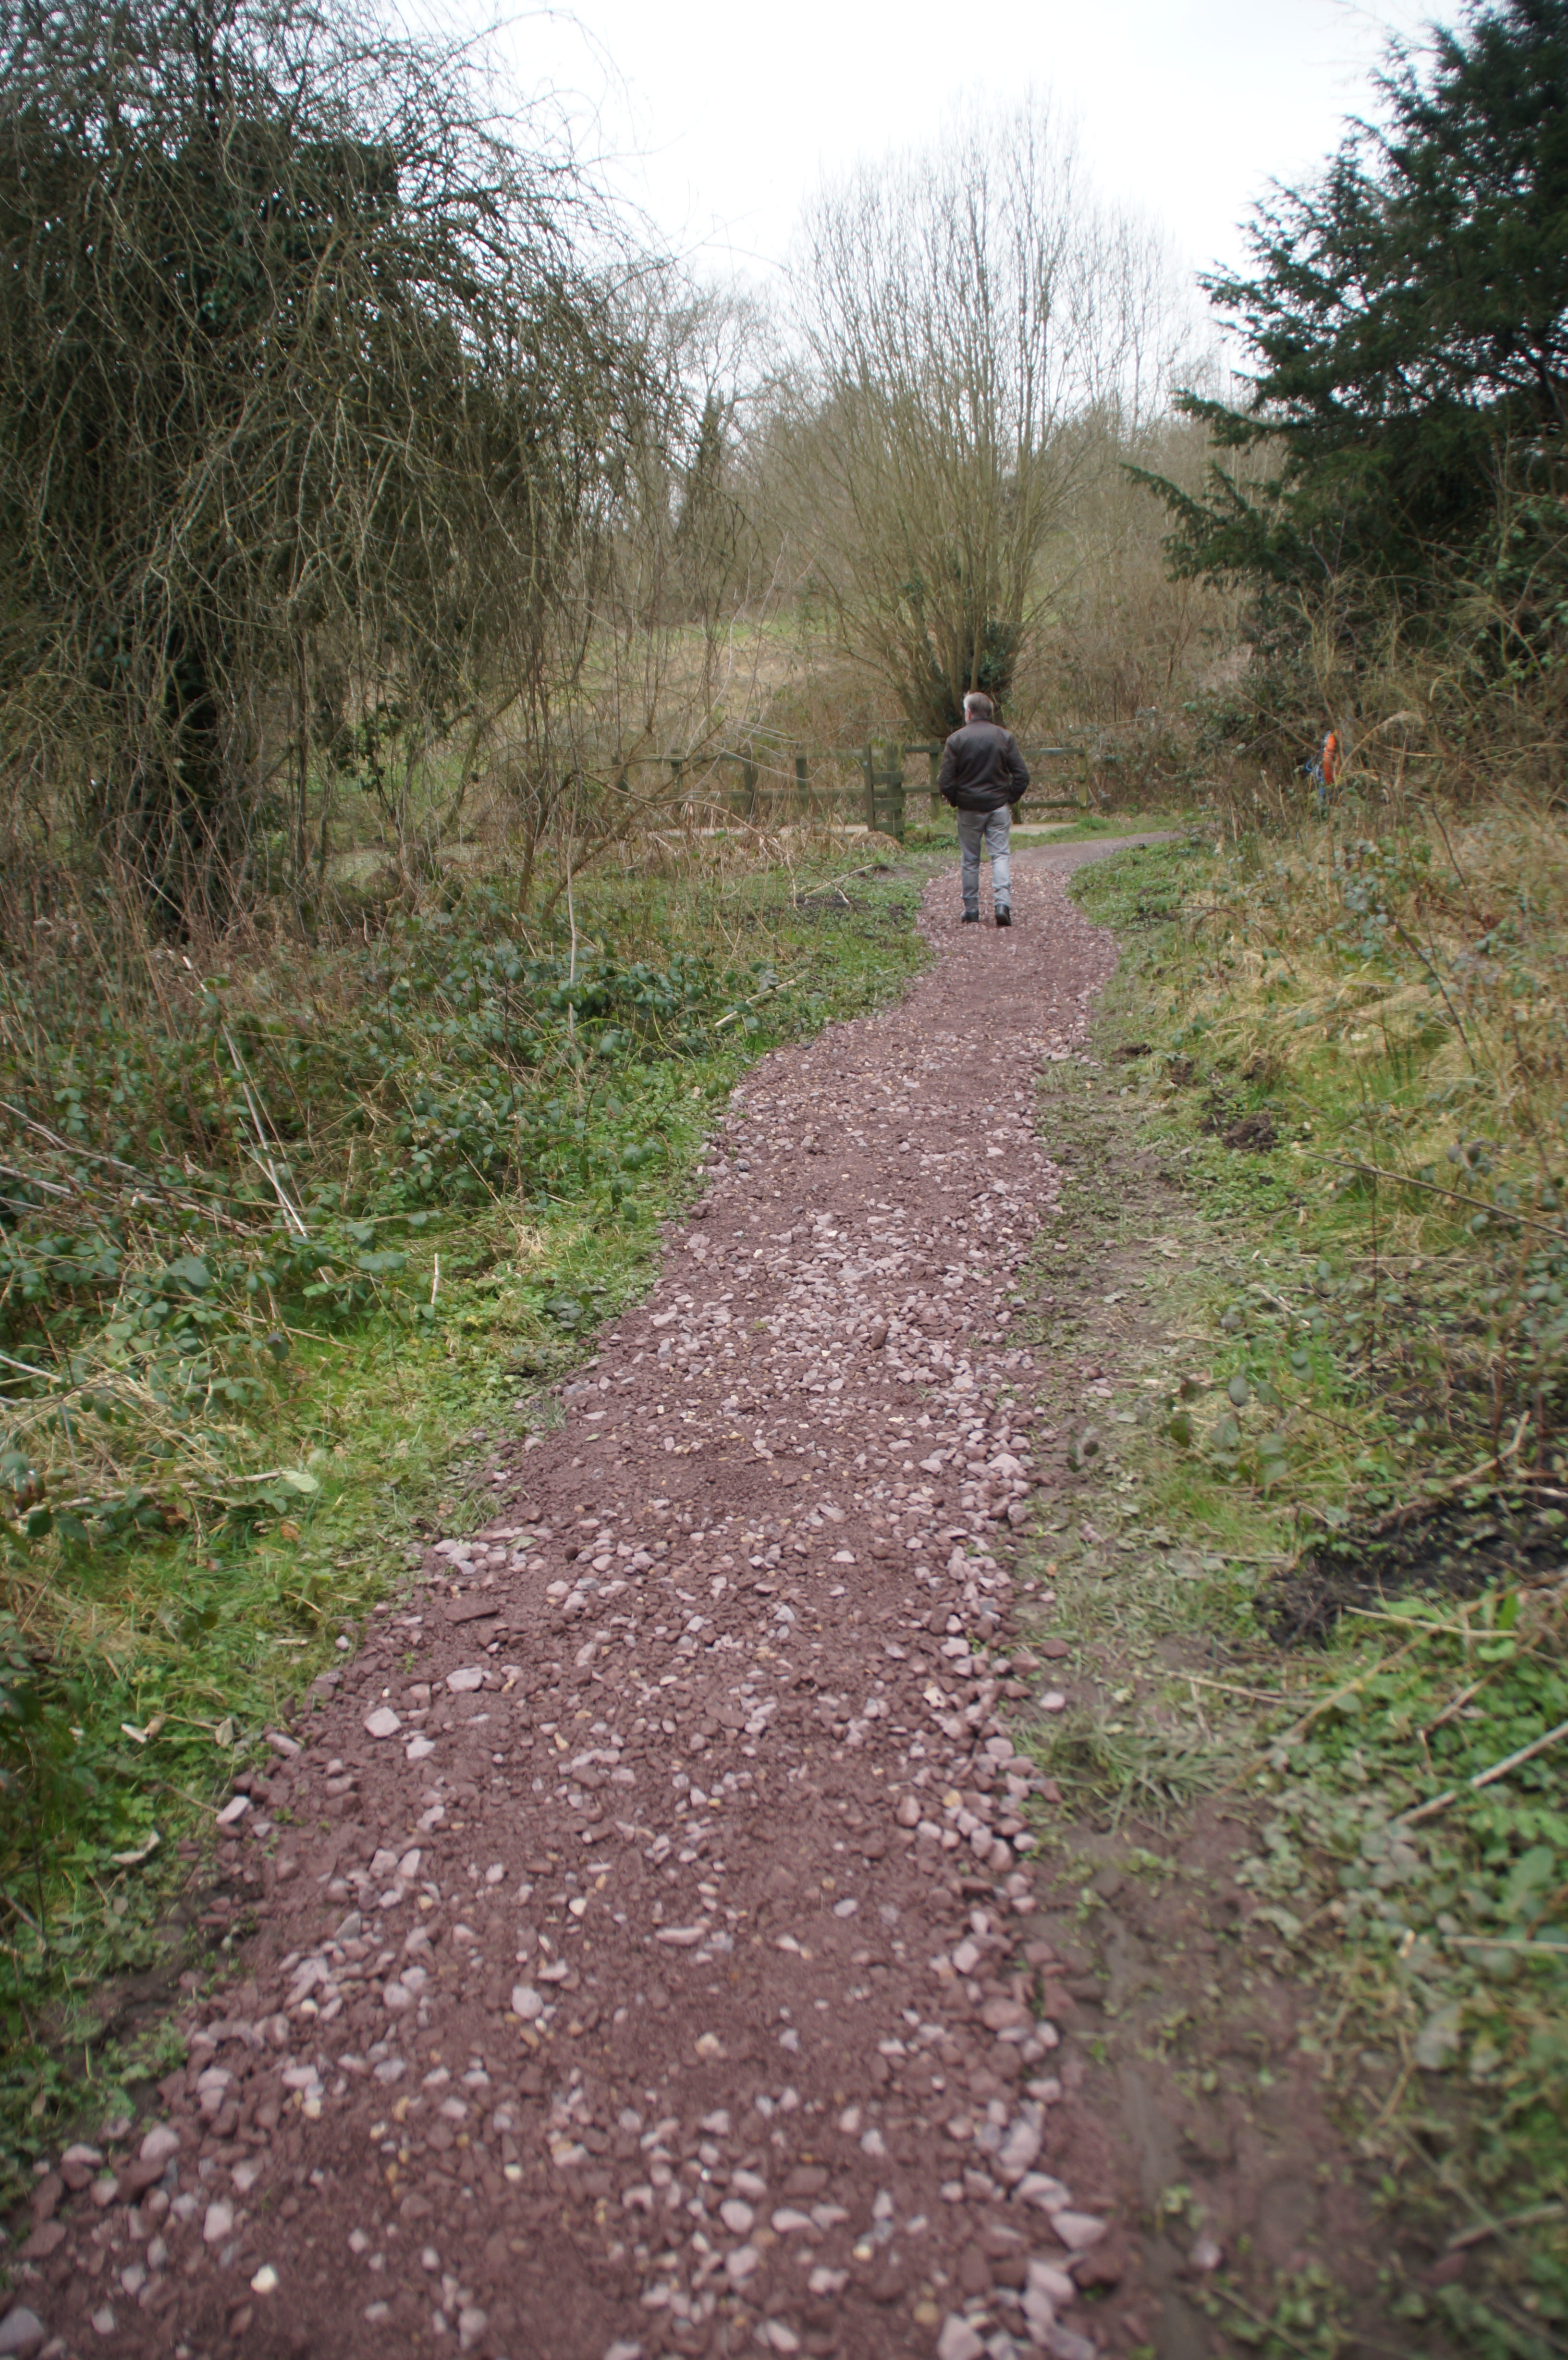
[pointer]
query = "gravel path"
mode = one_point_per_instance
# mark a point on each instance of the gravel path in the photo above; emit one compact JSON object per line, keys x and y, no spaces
{"x":640,"y":1964}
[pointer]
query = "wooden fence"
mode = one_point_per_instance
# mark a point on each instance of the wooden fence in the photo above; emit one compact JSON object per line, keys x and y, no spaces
{"x":773,"y":787}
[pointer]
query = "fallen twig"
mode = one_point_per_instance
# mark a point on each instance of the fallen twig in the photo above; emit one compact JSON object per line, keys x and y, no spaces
{"x":1324,"y":1704}
{"x":1228,"y":2294}
{"x":1420,"y":1623}
{"x":33,"y":1180}
{"x":1515,"y":1942}
{"x":1455,"y":1705}
{"x":1486,"y":2229}
{"x":1436,"y":1188}
{"x":1482,"y":1778}
{"x":291,"y":1211}
{"x":1257,"y":1696}
{"x":1396,"y":1517}
{"x":210,"y":1211}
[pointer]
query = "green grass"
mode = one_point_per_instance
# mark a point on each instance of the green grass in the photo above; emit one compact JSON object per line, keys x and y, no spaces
{"x":1046,"y":827}
{"x":148,"y":1646}
{"x":1349,"y":1352}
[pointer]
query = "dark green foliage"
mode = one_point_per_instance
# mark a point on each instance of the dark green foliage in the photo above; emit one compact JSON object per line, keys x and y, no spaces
{"x":1406,"y":326}
{"x":190,"y":1180}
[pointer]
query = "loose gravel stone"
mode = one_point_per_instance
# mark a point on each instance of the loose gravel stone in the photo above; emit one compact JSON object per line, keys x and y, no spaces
{"x":958,"y":2340}
{"x":1078,"y":2231}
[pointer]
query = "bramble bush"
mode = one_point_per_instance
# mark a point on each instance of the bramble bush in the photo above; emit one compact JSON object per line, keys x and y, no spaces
{"x":191,"y":1179}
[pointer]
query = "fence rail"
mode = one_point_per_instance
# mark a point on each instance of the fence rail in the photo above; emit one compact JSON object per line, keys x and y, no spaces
{"x":766,"y":794}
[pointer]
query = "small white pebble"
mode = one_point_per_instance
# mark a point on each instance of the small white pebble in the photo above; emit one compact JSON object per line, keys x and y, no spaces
{"x":1078,"y":2231}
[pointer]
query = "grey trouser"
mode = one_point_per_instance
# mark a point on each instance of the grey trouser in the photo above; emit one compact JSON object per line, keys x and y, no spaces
{"x":992,"y":829}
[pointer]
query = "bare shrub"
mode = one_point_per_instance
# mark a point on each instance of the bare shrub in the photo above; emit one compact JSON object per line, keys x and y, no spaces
{"x":980,"y":336}
{"x":309,"y":418}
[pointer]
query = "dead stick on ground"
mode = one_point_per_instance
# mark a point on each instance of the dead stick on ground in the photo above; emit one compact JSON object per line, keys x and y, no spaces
{"x":1397,"y":1516}
{"x":1557,"y":1950}
{"x":1257,"y":1696}
{"x":1496,"y":2228}
{"x":1324,"y":1704}
{"x":1482,"y":1778}
{"x":1435,"y":1188}
{"x":1228,"y":2294}
{"x":1455,"y":1705}
{"x":291,"y":1211}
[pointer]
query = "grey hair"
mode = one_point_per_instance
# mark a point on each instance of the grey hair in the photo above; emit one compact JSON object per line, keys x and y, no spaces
{"x":977,"y":702}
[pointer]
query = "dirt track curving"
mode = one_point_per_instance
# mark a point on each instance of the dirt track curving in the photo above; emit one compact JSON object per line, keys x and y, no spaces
{"x":639,"y":1965}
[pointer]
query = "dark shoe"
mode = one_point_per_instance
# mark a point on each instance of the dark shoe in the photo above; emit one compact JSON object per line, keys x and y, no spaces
{"x":971,"y":917}
{"x":1004,"y":917}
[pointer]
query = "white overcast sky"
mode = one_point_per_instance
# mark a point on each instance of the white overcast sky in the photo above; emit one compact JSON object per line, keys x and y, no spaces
{"x":718,"y":118}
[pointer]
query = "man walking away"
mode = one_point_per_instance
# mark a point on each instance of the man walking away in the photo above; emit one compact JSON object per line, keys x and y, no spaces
{"x":983,"y":776}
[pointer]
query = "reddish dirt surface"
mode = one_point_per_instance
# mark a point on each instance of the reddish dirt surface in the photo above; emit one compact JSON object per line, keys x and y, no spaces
{"x":640,"y":1964}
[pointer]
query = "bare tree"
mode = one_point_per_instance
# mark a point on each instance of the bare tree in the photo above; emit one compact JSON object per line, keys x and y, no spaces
{"x":978,"y":331}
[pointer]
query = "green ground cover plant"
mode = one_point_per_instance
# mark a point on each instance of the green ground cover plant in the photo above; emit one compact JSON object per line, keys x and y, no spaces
{"x":282,"y":1245}
{"x":1050,"y":827}
{"x":1346,"y":1468}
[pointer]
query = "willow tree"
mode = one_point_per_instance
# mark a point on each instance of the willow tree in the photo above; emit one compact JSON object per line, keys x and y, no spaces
{"x":974,"y":323}
{"x":308,"y":416}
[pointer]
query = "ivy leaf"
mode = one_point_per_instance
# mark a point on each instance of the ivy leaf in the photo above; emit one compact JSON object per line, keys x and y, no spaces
{"x":1438,"y":2041}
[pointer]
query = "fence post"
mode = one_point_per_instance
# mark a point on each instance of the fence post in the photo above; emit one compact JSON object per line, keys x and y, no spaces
{"x":886,"y":807}
{"x":868,"y":764}
{"x":934,"y":765}
{"x":802,"y":791}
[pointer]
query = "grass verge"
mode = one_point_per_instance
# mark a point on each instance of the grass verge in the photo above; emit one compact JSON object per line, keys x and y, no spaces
{"x":1049,"y":827}
{"x":1324,"y":1461}
{"x":285,"y":1245}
